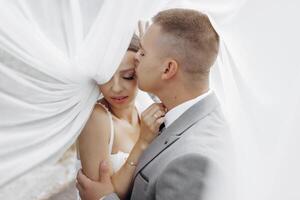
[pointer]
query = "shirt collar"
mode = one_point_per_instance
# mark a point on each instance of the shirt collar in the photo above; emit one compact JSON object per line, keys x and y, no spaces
{"x":177,"y":111}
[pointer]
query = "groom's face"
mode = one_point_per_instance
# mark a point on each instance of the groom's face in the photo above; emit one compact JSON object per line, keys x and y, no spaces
{"x":149,"y":60}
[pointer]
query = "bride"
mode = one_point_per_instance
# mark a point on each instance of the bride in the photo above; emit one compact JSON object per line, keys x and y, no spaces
{"x":115,"y":132}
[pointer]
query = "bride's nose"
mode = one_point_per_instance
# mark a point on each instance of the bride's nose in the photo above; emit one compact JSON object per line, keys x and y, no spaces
{"x":116,"y":86}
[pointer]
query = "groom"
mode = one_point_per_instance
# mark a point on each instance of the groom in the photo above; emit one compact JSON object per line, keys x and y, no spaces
{"x":189,"y":159}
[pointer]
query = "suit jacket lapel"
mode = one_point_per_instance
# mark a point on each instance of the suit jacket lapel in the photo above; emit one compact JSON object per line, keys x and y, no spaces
{"x":171,"y":134}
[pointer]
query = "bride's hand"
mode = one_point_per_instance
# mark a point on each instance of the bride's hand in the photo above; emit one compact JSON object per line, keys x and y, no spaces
{"x":151,"y":119}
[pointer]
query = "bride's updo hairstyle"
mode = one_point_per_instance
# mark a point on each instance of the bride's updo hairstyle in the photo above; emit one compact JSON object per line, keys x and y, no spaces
{"x":134,"y":44}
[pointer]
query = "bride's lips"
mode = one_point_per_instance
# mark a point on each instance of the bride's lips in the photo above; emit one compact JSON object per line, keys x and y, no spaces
{"x":119,"y":99}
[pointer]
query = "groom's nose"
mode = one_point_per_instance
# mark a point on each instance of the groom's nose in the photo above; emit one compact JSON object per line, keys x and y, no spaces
{"x":137,"y":58}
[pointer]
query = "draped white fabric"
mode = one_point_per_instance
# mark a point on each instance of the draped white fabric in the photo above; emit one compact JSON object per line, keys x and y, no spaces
{"x":53,"y":51}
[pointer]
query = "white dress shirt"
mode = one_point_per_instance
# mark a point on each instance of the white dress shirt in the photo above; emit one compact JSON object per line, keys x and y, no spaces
{"x":177,"y":111}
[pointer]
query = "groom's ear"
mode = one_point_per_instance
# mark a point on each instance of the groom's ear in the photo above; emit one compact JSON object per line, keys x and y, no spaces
{"x":170,"y":69}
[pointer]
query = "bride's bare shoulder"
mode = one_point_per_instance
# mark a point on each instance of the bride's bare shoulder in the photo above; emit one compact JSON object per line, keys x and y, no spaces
{"x":99,"y":120}
{"x":100,"y":109}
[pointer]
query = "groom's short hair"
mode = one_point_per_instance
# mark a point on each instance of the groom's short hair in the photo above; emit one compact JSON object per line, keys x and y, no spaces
{"x":192,"y":38}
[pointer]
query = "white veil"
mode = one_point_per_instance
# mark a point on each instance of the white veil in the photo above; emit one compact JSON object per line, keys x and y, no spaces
{"x":52,"y":54}
{"x":53,"y":51}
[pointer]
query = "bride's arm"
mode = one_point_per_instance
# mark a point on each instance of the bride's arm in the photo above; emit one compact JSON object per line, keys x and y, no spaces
{"x":93,"y":142}
{"x":122,"y":179}
{"x":94,"y":145}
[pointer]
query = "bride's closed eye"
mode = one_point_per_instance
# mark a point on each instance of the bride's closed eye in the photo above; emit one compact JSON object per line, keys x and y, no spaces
{"x":129,"y":76}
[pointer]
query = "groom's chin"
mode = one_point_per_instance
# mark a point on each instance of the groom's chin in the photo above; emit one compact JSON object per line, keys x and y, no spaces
{"x":146,"y":86}
{"x":144,"y":89}
{"x":141,"y":87}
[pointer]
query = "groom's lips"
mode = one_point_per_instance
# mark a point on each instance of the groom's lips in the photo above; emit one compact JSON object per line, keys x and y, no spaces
{"x":119,"y":99}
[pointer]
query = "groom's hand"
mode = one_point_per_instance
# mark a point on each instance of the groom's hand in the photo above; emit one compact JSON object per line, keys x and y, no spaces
{"x":94,"y":190}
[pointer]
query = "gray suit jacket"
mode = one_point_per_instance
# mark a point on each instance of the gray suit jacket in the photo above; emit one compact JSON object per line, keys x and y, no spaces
{"x":188,"y":160}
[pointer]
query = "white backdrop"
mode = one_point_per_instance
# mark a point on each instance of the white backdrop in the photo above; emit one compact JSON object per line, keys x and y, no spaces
{"x":55,"y":52}
{"x":59,"y":49}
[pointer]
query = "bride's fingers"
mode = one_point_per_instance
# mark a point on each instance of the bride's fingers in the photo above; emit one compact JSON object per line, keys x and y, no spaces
{"x":151,"y":119}
{"x":149,"y":109}
{"x":156,"y":109}
{"x":149,"y":112}
{"x":158,"y":122}
{"x":159,"y":114}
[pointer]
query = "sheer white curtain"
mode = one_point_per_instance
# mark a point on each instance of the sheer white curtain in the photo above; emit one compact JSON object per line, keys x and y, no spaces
{"x":56,"y":49}
{"x":52,"y":54}
{"x":263,"y":41}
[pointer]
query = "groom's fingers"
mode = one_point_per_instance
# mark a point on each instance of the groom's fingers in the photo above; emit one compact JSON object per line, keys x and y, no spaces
{"x":79,"y":188}
{"x":104,"y":175}
{"x":82,"y":180}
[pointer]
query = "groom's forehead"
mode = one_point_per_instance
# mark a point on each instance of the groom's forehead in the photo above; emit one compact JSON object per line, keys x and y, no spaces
{"x":151,"y":35}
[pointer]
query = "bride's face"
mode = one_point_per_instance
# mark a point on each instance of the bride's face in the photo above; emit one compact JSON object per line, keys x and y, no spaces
{"x":120,"y":91}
